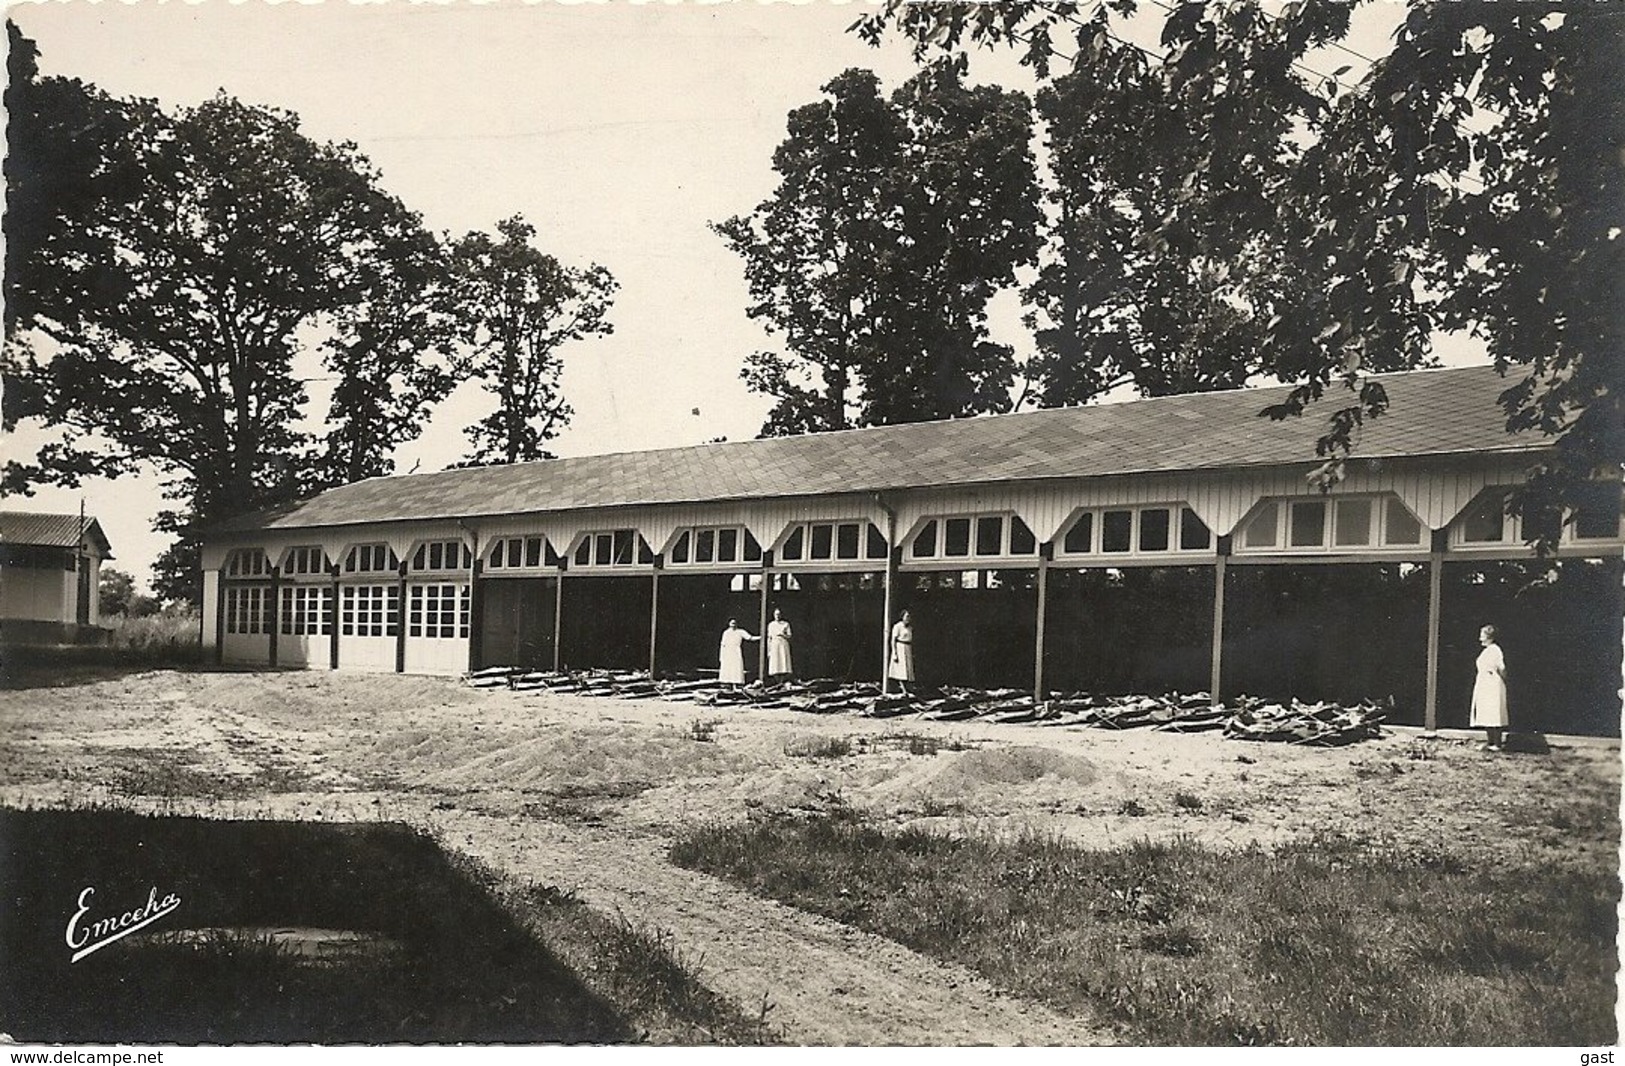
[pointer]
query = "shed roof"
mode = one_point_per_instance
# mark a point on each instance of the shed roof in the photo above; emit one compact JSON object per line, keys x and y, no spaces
{"x":1434,"y":412}
{"x":51,"y":530}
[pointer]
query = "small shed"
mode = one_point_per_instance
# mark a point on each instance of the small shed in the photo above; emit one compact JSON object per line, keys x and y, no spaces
{"x":50,"y":571}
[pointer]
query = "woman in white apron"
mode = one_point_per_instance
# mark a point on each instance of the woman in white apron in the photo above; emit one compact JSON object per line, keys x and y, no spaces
{"x":1490,"y":690}
{"x":731,"y":654}
{"x":900,"y":666}
{"x":778,"y":646}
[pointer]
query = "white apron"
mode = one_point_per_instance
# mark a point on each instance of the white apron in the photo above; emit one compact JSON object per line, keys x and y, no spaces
{"x":901,"y":667}
{"x":1490,"y":689}
{"x":778,"y":647}
{"x":731,"y":657}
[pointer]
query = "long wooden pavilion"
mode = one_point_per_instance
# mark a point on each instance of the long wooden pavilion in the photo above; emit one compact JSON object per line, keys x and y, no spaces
{"x":1170,"y":543}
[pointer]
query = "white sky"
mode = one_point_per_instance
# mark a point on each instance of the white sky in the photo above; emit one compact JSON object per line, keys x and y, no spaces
{"x":619,"y":130}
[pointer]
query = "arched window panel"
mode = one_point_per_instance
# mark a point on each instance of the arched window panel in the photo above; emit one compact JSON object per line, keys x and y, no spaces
{"x":305,"y":561}
{"x":1140,"y":531}
{"x":248,"y":562}
{"x":976,"y":536}
{"x":370,"y":559}
{"x":440,"y":555}
{"x":853,"y":540}
{"x":1329,"y":524}
{"x":611,"y":549}
{"x":518,"y":553}
{"x":714,"y":545}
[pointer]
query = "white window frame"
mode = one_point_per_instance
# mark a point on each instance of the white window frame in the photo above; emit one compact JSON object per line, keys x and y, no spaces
{"x":1097,"y":521}
{"x":807,"y":560}
{"x":248,"y":610}
{"x":593,"y":543}
{"x":437,"y":610}
{"x":306,"y":560}
{"x":972,"y":559}
{"x":496,"y":559}
{"x":743,"y":539}
{"x":1377,"y":540}
{"x":306,"y":610}
{"x":359,"y":559}
{"x":458,"y":559}
{"x":369,"y":610}
{"x":237,"y":563}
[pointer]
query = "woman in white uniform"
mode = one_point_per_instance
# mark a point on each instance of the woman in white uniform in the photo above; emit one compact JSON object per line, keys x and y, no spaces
{"x":731,"y":654}
{"x":901,"y":664}
{"x":778,"y":646}
{"x":1490,"y":690}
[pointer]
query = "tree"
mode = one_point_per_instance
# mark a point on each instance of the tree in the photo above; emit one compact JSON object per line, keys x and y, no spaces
{"x":171,"y":289}
{"x":1471,"y":181}
{"x":517,"y":307}
{"x":893,"y":224}
{"x":115,"y":590}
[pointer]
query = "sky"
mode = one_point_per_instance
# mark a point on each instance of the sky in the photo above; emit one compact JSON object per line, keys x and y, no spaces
{"x":620,"y":130}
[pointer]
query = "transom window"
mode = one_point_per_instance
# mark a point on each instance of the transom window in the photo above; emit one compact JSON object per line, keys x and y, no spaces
{"x":442,"y":555}
{"x":823,"y":542}
{"x":982,"y":536}
{"x":1328,"y":523}
{"x":438,"y":612}
{"x":306,"y":561}
{"x":616,"y":547}
{"x":306,"y":610}
{"x":248,"y":562}
{"x":702,"y":545}
{"x":371,"y":559}
{"x":369,"y":610}
{"x":247,"y":609}
{"x":1136,"y":531}
{"x":521,"y":553}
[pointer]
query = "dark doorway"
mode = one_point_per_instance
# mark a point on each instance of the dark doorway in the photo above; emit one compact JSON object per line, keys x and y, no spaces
{"x":1130,"y":630}
{"x":694,"y":610}
{"x":1558,"y":624}
{"x":1337,"y":631}
{"x":973,"y":627}
{"x":606,"y":622}
{"x":516,"y":623}
{"x":835,"y":620}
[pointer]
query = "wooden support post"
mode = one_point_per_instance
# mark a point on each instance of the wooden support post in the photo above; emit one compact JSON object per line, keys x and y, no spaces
{"x":476,"y":614}
{"x":400,"y":622}
{"x":558,"y":617}
{"x":1216,"y":677}
{"x":761,"y":633}
{"x":1430,"y":712}
{"x":275,"y":611}
{"x":333,"y":623}
{"x":220,"y":616}
{"x":886,"y":622}
{"x":1046,"y":551}
{"x":654,"y":613}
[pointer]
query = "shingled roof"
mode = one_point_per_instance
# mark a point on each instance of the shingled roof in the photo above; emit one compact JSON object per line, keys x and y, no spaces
{"x":1434,"y":412}
{"x":51,"y":530}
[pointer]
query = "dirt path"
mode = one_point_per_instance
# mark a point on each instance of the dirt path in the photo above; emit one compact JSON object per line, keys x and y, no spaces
{"x":824,"y":983}
{"x":587,"y":794}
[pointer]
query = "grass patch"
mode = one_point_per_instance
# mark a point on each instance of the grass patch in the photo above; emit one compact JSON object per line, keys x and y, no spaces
{"x":169,"y":639}
{"x":641,"y":970}
{"x":1328,"y":942}
{"x":704,"y":730}
{"x":434,"y":950}
{"x":818,"y":748}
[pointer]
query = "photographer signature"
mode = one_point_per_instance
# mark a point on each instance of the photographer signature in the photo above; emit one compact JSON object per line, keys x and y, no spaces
{"x":85,"y":936}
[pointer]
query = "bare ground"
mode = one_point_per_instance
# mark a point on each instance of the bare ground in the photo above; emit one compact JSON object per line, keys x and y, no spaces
{"x":586,"y":794}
